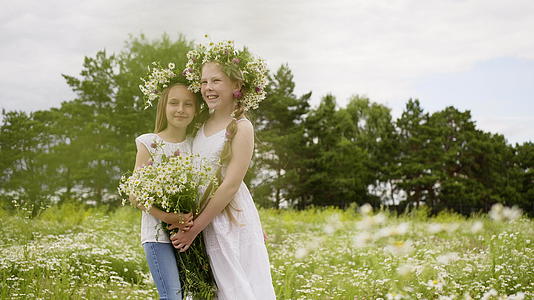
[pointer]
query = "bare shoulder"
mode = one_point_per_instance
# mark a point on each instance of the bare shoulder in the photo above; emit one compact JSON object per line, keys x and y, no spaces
{"x":142,"y":148}
{"x":245,"y":129}
{"x":245,"y":124}
{"x":142,"y":156}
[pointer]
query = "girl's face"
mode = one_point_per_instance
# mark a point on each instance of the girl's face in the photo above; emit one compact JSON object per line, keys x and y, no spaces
{"x":216,"y":87}
{"x":180,"y":109}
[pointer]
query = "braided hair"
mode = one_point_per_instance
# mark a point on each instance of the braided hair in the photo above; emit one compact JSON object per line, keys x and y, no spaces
{"x":226,"y":154}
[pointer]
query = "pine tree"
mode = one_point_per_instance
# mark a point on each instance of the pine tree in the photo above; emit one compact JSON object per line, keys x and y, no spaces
{"x":279,"y":140}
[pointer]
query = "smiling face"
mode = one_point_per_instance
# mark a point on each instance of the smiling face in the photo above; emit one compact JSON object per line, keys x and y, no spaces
{"x":181,"y":107}
{"x":216,"y":87}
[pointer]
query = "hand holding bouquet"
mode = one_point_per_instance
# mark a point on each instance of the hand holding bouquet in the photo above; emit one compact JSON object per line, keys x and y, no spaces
{"x":172,"y":186}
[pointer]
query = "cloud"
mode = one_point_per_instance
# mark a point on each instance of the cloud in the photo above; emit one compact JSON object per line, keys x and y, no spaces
{"x":376,"y":48}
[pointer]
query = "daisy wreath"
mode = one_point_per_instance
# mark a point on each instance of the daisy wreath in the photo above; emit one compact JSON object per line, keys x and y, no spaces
{"x":158,"y":78}
{"x":252,"y":70}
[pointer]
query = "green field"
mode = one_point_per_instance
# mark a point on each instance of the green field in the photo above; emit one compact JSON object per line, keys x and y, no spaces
{"x":82,"y":253}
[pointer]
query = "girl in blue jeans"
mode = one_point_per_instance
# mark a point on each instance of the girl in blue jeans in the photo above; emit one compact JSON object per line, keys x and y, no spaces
{"x":176,"y":109}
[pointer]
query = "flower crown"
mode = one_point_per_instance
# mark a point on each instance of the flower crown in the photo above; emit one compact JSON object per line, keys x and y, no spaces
{"x":158,"y":79}
{"x":253,"y":70}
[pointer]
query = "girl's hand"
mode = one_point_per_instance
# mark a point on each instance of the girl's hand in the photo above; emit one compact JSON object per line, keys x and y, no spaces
{"x":183,"y":239}
{"x":181,"y":221}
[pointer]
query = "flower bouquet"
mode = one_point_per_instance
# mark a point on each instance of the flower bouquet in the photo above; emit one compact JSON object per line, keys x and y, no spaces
{"x":172,"y":186}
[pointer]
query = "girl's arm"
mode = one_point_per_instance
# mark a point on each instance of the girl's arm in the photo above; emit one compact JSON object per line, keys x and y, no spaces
{"x":242,"y":150}
{"x":182,"y":221}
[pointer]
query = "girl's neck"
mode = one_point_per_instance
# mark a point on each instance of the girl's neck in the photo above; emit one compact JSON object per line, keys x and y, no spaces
{"x":173,"y":134}
{"x":222,"y":114}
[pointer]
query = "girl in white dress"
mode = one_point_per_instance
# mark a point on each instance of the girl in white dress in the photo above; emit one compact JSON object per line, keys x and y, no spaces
{"x":176,"y":109}
{"x":229,"y":222}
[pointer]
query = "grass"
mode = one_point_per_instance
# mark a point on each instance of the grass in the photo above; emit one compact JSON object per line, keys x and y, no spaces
{"x":70,"y":252}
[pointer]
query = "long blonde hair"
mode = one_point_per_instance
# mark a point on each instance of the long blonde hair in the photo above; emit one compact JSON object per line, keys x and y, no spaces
{"x":226,"y":153}
{"x":161,"y":109}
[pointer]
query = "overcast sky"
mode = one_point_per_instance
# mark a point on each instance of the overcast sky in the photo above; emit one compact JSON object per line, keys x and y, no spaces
{"x":475,"y":55}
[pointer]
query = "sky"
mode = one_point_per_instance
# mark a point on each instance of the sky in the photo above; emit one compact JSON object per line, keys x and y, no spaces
{"x":475,"y":55}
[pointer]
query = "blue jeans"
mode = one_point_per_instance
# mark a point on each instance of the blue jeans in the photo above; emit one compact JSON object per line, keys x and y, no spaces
{"x":162,"y":263}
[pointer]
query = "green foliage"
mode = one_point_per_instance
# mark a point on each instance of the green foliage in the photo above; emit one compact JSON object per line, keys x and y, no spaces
{"x":278,"y":123}
{"x":109,"y":109}
{"x":79,"y":151}
{"x":344,"y":148}
{"x":71,"y":214}
{"x":524,"y":174}
{"x":26,"y":164}
{"x":322,"y":156}
{"x":444,"y":162}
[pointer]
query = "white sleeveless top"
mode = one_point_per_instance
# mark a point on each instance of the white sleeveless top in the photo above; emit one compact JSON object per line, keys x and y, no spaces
{"x":151,"y":230}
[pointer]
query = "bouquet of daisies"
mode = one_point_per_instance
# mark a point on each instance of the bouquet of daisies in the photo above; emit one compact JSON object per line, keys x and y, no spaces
{"x":172,"y":186}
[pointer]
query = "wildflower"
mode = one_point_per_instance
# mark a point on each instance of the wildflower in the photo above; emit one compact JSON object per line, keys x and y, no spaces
{"x":329,"y":229}
{"x":400,"y":229}
{"x":405,"y":269}
{"x":400,"y":248}
{"x":366,"y":209}
{"x":369,"y":221}
{"x":333,"y":223}
{"x":445,"y":259}
{"x":450,"y":228}
{"x":477,"y":226}
{"x":436,"y":284}
{"x":186,"y":71}
{"x":487,"y":295}
{"x":518,"y":296}
{"x":501,"y":213}
{"x":512,"y":213}
{"x":434,"y":228}
{"x":379,"y":219}
{"x":393,"y":296}
{"x":301,"y":253}
{"x":238,"y":95}
{"x":360,"y":240}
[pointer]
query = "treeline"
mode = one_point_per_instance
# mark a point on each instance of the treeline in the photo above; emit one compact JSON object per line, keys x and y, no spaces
{"x":322,"y":156}
{"x":330,"y":155}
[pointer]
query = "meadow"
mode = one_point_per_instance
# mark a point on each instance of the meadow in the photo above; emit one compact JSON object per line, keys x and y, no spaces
{"x":70,"y":252}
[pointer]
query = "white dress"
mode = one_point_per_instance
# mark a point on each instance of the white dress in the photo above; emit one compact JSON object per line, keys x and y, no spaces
{"x":237,"y":251}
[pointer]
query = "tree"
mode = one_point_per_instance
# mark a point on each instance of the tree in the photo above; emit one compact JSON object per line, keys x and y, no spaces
{"x":280,"y":139}
{"x":524,"y":160}
{"x":415,"y":157}
{"x":92,"y":116}
{"x":26,"y":177}
{"x":336,"y":168}
{"x":100,"y":125}
{"x":492,"y":167}
{"x":446,"y":163}
{"x":371,"y":129}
